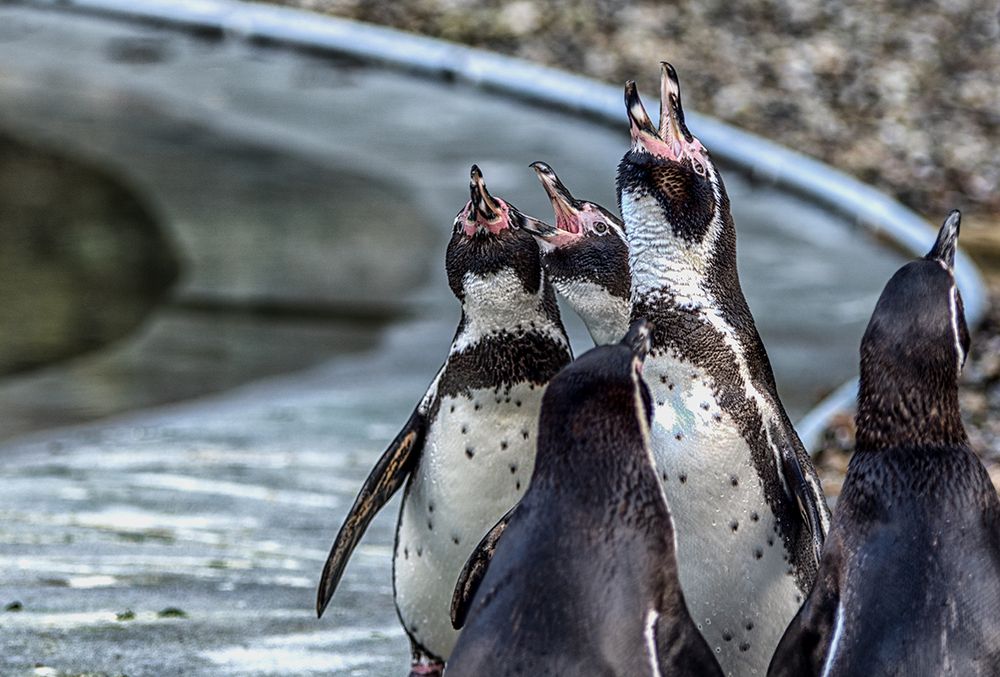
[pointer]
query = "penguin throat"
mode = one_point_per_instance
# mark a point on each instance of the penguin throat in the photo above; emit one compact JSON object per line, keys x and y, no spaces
{"x":676,"y":149}
{"x":663,"y":263}
{"x":498,"y":303}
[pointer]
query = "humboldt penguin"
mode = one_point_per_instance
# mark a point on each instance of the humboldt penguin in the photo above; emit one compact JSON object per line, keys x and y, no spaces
{"x":909,"y":583}
{"x":467,"y":451}
{"x":586,"y":256}
{"x":748,"y":510}
{"x":583,"y":580}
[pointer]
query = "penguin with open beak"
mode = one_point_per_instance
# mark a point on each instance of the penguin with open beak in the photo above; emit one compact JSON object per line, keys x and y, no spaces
{"x":467,"y":452}
{"x":749,"y":513}
{"x":586,"y":256}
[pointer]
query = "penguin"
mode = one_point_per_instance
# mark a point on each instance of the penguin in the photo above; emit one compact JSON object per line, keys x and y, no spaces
{"x":583,"y":580}
{"x":748,"y":510}
{"x":586,"y":256}
{"x":467,"y":451}
{"x":909,"y":582}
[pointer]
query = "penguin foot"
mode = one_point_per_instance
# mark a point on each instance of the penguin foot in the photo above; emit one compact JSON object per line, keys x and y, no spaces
{"x":426,"y":669}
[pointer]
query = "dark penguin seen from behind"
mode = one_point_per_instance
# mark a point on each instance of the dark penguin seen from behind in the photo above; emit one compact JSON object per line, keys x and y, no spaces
{"x":909,"y":583}
{"x":586,"y":256}
{"x":748,"y":509}
{"x":583,"y":580}
{"x":467,"y":452}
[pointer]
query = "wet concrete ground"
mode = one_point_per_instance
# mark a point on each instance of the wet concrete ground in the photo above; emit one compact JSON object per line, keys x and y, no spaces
{"x":221,"y":509}
{"x":188,"y":539}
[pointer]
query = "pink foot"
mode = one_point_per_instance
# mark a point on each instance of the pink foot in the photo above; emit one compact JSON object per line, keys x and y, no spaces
{"x":426,"y":669}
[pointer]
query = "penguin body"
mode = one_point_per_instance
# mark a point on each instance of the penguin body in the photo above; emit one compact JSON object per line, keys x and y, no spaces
{"x":909,"y":582}
{"x":583,"y":579}
{"x":467,"y":453}
{"x":586,"y":257}
{"x":747,"y":505}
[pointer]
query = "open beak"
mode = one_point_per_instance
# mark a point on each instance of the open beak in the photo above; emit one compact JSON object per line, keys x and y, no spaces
{"x":483,"y":212}
{"x":563,"y":203}
{"x":947,"y":240}
{"x":672,"y":140}
{"x":483,"y":204}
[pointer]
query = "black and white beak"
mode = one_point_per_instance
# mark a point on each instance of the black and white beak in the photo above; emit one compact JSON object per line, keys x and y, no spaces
{"x":947,"y":240}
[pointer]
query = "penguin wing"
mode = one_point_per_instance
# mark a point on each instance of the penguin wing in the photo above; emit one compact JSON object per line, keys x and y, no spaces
{"x":475,"y":569}
{"x":384,"y":480}
{"x":810,"y":637}
{"x":808,"y":495}
{"x":680,"y":647}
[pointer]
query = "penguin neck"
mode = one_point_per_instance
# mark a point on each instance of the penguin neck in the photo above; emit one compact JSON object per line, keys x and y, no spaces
{"x":898,"y":407}
{"x":499,"y":304}
{"x":605,"y":315}
{"x":668,"y":267}
{"x":691,"y":292}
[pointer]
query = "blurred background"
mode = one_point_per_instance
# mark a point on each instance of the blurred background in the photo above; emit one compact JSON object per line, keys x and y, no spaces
{"x":222,"y":289}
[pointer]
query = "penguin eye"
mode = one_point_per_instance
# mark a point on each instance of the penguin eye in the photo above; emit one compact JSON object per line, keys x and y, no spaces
{"x":699,"y":168}
{"x":600,"y":228}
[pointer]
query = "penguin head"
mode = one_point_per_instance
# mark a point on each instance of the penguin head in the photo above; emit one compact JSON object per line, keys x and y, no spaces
{"x":599,"y":402}
{"x":667,"y":174}
{"x":585,"y":255}
{"x":490,"y":238}
{"x":914,"y":348}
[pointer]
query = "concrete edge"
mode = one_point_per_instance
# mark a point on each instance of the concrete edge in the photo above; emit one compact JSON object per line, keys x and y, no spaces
{"x":762,"y":159}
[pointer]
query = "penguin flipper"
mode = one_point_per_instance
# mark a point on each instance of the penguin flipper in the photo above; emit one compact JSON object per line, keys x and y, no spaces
{"x":384,"y":480}
{"x":808,"y":496}
{"x":805,"y":646}
{"x":681,"y":649}
{"x":474,"y":570}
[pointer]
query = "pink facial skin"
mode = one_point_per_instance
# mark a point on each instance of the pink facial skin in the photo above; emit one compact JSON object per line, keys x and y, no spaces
{"x":574,"y":225}
{"x":677,"y":150}
{"x":474,"y":222}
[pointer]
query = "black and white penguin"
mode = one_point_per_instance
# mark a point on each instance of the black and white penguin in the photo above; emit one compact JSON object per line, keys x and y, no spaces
{"x":467,"y":451}
{"x":583,"y":580}
{"x":909,"y":583}
{"x":749,"y":513}
{"x":586,"y":256}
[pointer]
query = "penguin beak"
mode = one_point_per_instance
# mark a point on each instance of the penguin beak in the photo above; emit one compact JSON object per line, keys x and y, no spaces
{"x":563,"y":202}
{"x":639,"y":339}
{"x":539,"y":228}
{"x":947,"y":240}
{"x":673,"y":132}
{"x":549,"y":238}
{"x":483,"y":211}
{"x":640,"y":126}
{"x":482,"y":202}
{"x":672,"y":140}
{"x":567,"y":209}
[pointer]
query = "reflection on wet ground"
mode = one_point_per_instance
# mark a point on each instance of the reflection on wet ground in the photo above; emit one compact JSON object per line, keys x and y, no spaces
{"x":308,"y":202}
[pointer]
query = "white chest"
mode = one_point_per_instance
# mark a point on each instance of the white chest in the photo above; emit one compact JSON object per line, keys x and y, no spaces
{"x":476,"y":464}
{"x":732,"y":562}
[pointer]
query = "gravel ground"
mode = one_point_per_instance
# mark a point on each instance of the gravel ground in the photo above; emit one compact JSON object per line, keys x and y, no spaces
{"x":905,"y":100}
